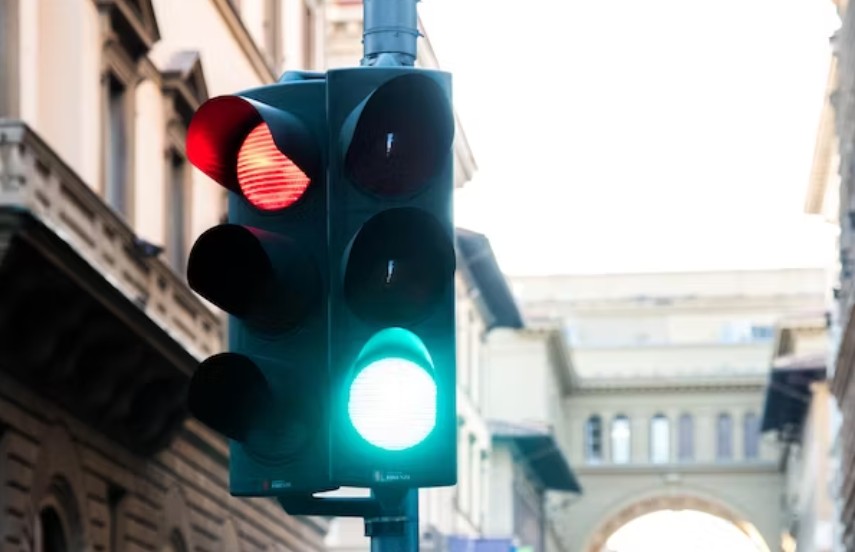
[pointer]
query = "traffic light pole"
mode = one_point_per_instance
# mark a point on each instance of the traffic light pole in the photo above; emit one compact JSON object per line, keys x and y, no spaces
{"x":390,"y":38}
{"x":396,"y":529}
{"x":391,"y":31}
{"x":391,"y":515}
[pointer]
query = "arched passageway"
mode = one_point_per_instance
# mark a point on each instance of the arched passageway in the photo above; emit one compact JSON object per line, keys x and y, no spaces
{"x":678,"y":531}
{"x":671,"y":523}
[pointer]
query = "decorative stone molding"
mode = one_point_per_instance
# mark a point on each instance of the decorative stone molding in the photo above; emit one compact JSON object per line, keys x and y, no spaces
{"x":34,"y":178}
{"x":132,"y":23}
{"x":106,"y":330}
{"x":184,"y":84}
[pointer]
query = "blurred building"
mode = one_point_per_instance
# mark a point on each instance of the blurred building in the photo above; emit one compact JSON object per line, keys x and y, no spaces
{"x":98,"y":329}
{"x":531,"y":376}
{"x":798,"y":409}
{"x":829,"y":195}
{"x":667,"y":393}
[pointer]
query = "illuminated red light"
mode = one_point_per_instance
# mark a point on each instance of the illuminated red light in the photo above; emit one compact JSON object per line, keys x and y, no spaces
{"x":268,"y":178}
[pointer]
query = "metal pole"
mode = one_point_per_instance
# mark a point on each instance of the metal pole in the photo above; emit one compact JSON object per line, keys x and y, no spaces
{"x":391,"y":31}
{"x":397,"y":529}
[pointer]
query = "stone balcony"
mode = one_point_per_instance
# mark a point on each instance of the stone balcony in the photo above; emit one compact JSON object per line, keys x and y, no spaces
{"x":87,"y":318}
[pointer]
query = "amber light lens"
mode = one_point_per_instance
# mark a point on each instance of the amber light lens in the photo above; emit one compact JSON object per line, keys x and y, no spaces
{"x":268,"y":179}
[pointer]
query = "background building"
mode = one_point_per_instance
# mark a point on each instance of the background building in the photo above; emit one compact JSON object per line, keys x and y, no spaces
{"x":667,"y":397}
{"x":829,"y":195}
{"x":798,"y":408}
{"x":531,"y":376}
{"x":98,"y":331}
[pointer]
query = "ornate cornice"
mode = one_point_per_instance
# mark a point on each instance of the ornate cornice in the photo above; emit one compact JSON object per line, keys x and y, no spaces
{"x":133,"y":24}
{"x":184,"y":83}
{"x":665,"y":385}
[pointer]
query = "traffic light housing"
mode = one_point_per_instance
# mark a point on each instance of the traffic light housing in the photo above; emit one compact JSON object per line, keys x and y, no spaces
{"x":336,"y":267}
{"x":267,"y":268}
{"x":391,"y":298}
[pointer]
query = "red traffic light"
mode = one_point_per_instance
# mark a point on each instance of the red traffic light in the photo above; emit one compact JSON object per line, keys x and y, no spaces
{"x":253,"y":149}
{"x":268,"y":179}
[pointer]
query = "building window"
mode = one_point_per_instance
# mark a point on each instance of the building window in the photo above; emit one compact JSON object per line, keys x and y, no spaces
{"x":594,"y":440}
{"x":752,"y":435}
{"x":116,"y":506}
{"x":621,"y":438}
{"x":738,"y":331}
{"x":660,"y":439}
{"x":762,"y":333}
{"x":117,"y":147}
{"x":177,"y":210}
{"x":127,"y":35}
{"x":182,"y":73}
{"x":685,"y":438}
{"x":52,"y":532}
{"x":724,"y":437}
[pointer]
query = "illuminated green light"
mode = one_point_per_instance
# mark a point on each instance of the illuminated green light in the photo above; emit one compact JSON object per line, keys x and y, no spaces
{"x":392,"y":403}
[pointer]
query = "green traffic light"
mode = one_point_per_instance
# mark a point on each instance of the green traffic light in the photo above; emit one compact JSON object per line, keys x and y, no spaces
{"x":392,"y":396}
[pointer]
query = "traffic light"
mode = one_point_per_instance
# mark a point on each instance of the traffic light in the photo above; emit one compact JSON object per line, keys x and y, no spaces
{"x":392,"y":261}
{"x":267,"y":268}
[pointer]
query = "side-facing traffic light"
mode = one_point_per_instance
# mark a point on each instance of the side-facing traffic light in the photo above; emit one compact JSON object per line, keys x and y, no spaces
{"x":267,"y":267}
{"x":392,"y":338}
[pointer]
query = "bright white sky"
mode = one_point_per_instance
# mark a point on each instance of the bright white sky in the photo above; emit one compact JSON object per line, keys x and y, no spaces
{"x":638,"y":135}
{"x":679,"y":531}
{"x":629,"y":135}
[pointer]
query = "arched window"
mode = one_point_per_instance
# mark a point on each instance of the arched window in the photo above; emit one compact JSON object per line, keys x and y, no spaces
{"x":660,"y":439}
{"x":752,"y":436}
{"x":621,"y":440}
{"x":594,"y":439}
{"x":52,"y":532}
{"x":685,"y":438}
{"x":724,"y":437}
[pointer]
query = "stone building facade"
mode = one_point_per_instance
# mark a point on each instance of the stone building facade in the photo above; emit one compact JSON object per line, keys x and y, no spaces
{"x":667,"y":393}
{"x":99,"y":332}
{"x":531,"y":479}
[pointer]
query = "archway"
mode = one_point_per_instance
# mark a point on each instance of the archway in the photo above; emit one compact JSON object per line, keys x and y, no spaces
{"x":53,"y":531}
{"x":672,"y":503}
